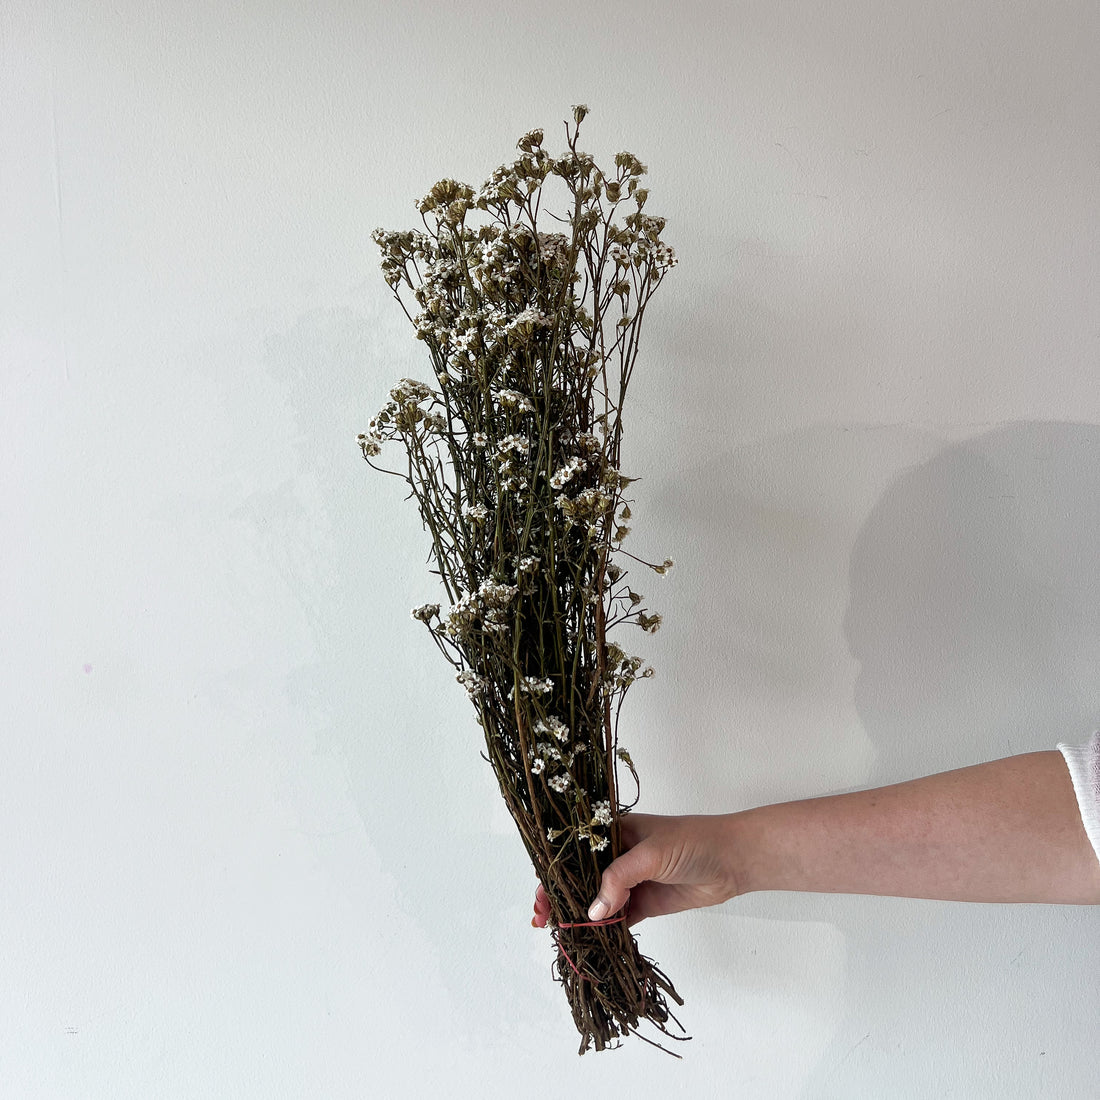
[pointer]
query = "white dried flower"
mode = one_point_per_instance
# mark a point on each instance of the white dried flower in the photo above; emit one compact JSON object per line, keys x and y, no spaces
{"x":479,"y":439}
{"x":513,"y":399}
{"x":425,"y":612}
{"x":560,"y":782}
{"x":409,"y":389}
{"x":564,"y":474}
{"x":538,"y":766}
{"x":601,"y":813}
{"x":463,"y":615}
{"x":475,"y":685}
{"x":476,"y":512}
{"x":496,"y":595}
{"x":371,"y":444}
{"x":553,"y":726}
{"x":530,"y":685}
{"x":496,"y":621}
{"x":515,"y":443}
{"x":597,"y":843}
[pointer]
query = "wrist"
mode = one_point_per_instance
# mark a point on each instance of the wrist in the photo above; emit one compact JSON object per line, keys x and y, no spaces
{"x":760,"y":859}
{"x":746,"y":849}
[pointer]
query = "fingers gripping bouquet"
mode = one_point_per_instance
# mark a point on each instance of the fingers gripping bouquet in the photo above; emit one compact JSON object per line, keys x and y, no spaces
{"x":513,"y":457}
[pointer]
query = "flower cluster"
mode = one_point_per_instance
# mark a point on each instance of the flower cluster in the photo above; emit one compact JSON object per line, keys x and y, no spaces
{"x":488,"y":605}
{"x":587,"y":507}
{"x":532,"y":685}
{"x":564,"y":474}
{"x":476,"y":686}
{"x":553,"y":726}
{"x":513,"y":399}
{"x":597,"y":842}
{"x":601,"y":815}
{"x":547,"y":754}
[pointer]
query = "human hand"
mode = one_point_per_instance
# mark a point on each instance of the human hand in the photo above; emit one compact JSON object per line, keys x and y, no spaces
{"x":669,"y":864}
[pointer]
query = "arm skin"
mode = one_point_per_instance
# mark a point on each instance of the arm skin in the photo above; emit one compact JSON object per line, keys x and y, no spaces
{"x":1006,"y":831}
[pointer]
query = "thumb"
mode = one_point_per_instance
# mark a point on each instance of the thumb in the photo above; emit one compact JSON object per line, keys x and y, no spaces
{"x":640,"y":864}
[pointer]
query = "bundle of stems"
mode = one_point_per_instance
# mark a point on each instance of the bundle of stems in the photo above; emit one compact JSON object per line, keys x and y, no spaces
{"x":513,"y":458}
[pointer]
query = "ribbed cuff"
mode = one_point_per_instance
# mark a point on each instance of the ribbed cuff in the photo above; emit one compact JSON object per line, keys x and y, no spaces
{"x":1084,"y":769}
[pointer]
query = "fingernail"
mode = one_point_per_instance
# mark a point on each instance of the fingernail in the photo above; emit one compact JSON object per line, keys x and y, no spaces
{"x":598,"y":909}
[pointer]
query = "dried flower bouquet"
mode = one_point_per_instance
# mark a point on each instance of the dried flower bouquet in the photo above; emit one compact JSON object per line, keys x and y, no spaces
{"x":513,"y":458}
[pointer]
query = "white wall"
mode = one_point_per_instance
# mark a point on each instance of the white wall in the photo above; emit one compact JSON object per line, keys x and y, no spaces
{"x":249,"y":848}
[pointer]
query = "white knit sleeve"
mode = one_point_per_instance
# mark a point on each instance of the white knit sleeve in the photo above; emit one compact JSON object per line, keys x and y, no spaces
{"x":1084,"y":769}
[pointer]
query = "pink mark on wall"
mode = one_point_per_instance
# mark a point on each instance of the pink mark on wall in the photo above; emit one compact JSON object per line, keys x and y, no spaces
{"x":87,"y":668}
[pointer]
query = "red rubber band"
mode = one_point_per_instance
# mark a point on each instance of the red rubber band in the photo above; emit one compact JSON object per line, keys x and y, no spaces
{"x":572,"y":964}
{"x":583,"y":924}
{"x":592,"y":923}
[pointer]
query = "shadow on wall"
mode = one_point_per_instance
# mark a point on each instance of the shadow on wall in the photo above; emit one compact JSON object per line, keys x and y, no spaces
{"x":975,"y":601}
{"x":974,"y":613}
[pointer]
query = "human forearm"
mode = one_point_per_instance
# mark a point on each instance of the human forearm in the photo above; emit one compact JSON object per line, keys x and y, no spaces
{"x":1005,"y":831}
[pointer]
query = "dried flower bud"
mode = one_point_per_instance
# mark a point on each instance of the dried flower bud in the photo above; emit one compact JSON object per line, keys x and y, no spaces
{"x":579,"y":111}
{"x":371,"y":444}
{"x":531,"y":140}
{"x":631,"y":163}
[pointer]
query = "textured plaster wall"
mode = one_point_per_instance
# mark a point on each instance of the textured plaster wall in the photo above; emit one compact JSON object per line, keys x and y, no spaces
{"x":249,"y":848}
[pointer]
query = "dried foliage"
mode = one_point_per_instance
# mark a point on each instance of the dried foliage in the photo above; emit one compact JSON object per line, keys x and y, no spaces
{"x":513,"y":458}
